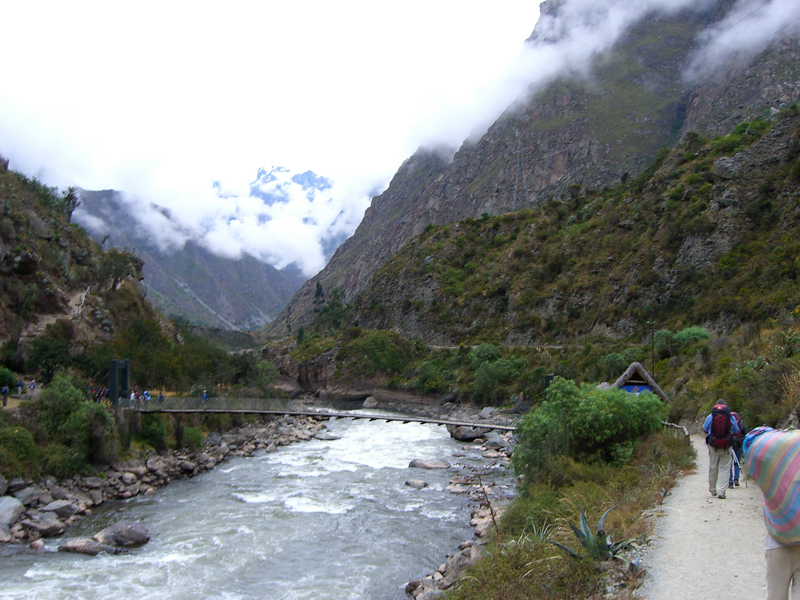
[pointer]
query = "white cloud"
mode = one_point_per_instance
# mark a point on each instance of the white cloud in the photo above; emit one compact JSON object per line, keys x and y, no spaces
{"x":164,"y":100}
{"x":748,"y":29}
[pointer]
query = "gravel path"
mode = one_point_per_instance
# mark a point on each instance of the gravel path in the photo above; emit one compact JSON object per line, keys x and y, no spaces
{"x":701,"y":541}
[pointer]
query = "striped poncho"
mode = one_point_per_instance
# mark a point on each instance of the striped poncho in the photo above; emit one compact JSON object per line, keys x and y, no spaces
{"x":772,"y":459}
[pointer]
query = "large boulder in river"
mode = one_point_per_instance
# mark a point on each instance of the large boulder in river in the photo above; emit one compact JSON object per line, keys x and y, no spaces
{"x":431,"y":463}
{"x":124,"y":533}
{"x":87,"y":546}
{"x":10,"y":510}
{"x":417,"y":483}
{"x":44,"y":524}
{"x":466,"y":434}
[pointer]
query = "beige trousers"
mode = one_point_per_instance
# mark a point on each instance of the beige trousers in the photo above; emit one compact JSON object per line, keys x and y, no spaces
{"x":719,"y":469}
{"x":783,"y":569}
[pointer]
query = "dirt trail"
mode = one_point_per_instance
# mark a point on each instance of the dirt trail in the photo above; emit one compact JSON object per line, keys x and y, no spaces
{"x":702,"y":541}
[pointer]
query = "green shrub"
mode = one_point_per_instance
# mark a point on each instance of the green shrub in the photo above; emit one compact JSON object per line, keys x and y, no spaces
{"x":490,"y":375}
{"x":665,"y":343}
{"x":21,"y":449}
{"x":586,"y":423}
{"x":57,"y":402}
{"x":62,"y":462}
{"x":483,"y":353}
{"x":193,"y":437}
{"x":154,"y":432}
{"x":432,"y":378}
{"x":8,"y":378}
{"x":691,"y":335}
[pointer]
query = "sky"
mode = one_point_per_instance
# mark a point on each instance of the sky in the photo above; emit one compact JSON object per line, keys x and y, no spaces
{"x":179,"y":104}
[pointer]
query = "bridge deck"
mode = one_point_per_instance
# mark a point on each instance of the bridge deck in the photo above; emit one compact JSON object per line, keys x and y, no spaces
{"x":326,"y":415}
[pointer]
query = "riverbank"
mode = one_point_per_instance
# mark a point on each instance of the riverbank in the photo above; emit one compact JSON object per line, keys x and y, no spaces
{"x":30,"y":511}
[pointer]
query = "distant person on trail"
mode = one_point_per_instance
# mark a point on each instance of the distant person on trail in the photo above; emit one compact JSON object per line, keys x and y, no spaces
{"x":19,"y":387}
{"x":5,"y":395}
{"x":205,"y":396}
{"x":772,"y":459}
{"x":133,"y":398}
{"x":160,"y":397}
{"x":720,"y":428}
{"x":736,"y":448}
{"x":32,"y":387}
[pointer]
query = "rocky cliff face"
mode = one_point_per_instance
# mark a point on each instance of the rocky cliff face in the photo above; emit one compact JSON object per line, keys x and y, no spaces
{"x":591,"y":132}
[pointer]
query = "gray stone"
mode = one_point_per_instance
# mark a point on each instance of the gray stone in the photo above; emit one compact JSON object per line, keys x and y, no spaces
{"x":44,"y":524}
{"x":727,"y":167}
{"x":3,"y":485}
{"x":417,"y":483}
{"x":96,"y":496}
{"x":129,"y":478}
{"x":28,"y":496}
{"x":486,"y":412}
{"x":87,"y":546}
{"x":213,"y":438}
{"x":124,"y":533}
{"x":91,"y":483}
{"x":187,"y":466}
{"x":370,"y":402}
{"x":431,"y":595}
{"x":10,"y":510}
{"x":16,"y":484}
{"x":5,"y":535}
{"x":433,"y":463}
{"x":466,"y":434}
{"x":64,"y":509}
{"x":326,"y":437}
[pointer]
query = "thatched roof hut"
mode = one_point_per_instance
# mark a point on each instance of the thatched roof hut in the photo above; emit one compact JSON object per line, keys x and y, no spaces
{"x":636,"y":380}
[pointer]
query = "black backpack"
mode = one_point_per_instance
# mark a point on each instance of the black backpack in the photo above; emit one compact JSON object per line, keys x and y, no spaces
{"x":719,"y":434}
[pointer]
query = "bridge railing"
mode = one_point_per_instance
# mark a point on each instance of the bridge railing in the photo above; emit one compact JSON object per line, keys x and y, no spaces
{"x":193,"y":403}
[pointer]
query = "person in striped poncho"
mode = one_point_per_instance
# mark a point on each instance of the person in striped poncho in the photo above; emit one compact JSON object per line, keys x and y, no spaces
{"x":772,"y":459}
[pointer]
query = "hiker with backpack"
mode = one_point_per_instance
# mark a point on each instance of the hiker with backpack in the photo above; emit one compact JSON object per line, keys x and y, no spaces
{"x":736,"y":447}
{"x":720,"y":427}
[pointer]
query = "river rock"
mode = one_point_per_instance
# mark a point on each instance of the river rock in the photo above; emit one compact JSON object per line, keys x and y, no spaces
{"x":491,"y":454}
{"x":129,"y":478}
{"x":5,"y":535}
{"x":370,"y":402}
{"x":96,"y":497}
{"x":124,"y":533}
{"x":10,"y":510}
{"x":431,"y":595}
{"x":91,"y":483}
{"x":466,"y":434}
{"x":213,"y":438}
{"x":44,"y":524}
{"x":417,"y":484}
{"x":28,"y":496}
{"x":486,"y":412}
{"x":3,"y":485}
{"x":431,"y":463}
{"x":16,"y":484}
{"x":326,"y":436}
{"x":63,"y":509}
{"x":87,"y":546}
{"x":187,"y":466}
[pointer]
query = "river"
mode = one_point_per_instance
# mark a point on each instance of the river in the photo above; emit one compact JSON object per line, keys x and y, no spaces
{"x":315,"y":520}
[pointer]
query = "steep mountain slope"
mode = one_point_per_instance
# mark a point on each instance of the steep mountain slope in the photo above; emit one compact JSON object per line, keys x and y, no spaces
{"x":192,"y":283}
{"x":53,"y":273}
{"x":591,"y":132}
{"x":712,"y":238}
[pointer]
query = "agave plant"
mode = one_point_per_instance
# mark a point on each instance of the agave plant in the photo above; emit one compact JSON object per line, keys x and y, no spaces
{"x":598,"y":545}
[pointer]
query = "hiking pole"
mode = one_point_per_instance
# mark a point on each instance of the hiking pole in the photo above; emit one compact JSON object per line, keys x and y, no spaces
{"x":738,"y":464}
